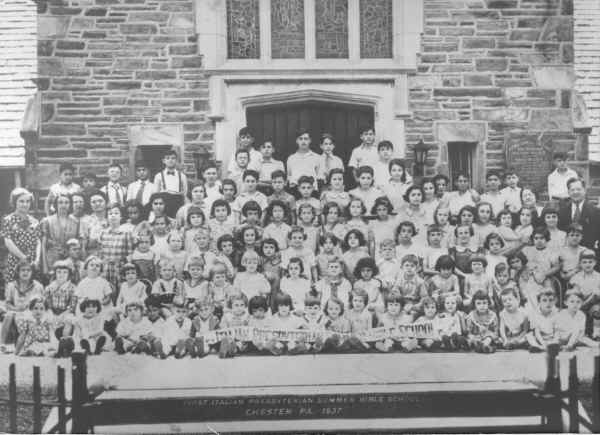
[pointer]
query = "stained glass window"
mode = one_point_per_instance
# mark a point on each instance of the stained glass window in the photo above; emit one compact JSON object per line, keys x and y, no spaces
{"x":376,"y":33}
{"x":243,"y":29}
{"x":287,"y":29}
{"x":332,"y":28}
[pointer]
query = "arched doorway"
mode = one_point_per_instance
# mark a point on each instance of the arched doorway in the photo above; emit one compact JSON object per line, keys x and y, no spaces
{"x":280,"y":122}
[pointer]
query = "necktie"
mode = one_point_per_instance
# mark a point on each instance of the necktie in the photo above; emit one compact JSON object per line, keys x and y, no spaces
{"x":327,"y":165}
{"x":170,"y":172}
{"x":118,"y":194}
{"x":577,"y":213}
{"x":139,"y":197}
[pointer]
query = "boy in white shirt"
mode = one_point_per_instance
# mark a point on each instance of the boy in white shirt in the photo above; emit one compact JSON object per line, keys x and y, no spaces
{"x":267,"y":167}
{"x":366,"y":153}
{"x":329,"y":161}
{"x":246,"y":143}
{"x":493,"y":195}
{"x":512,"y":191}
{"x":173,"y":182}
{"x":65,"y":185}
{"x":142,"y":188}
{"x":304,"y":161}
{"x":557,"y":179}
{"x":385,"y":150}
{"x":115,"y":192}
{"x":212,"y":184}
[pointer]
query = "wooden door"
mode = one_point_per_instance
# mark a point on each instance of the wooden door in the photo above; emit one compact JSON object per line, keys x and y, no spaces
{"x":460,"y":158}
{"x":280,"y":123}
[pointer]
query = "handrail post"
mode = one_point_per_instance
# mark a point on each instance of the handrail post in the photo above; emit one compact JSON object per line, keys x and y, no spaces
{"x":12,"y":397}
{"x":596,"y":395}
{"x":62,"y":400}
{"x":37,"y":401}
{"x":552,"y":388}
{"x":80,"y":392}
{"x":573,"y":400}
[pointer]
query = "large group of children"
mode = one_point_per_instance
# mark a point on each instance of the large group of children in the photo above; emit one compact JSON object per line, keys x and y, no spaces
{"x":154,"y":266}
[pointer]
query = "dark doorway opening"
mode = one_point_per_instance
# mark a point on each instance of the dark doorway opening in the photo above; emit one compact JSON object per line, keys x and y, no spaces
{"x":460,"y":159}
{"x":281,"y":121}
{"x":152,"y":156}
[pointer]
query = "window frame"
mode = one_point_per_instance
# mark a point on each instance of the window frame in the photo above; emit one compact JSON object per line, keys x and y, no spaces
{"x":211,"y":27}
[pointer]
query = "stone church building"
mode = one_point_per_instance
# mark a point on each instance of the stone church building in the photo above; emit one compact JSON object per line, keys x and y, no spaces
{"x":486,"y":83}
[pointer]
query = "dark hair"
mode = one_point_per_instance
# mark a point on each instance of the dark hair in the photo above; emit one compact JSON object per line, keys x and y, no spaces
{"x":66,"y":167}
{"x":542,"y":231}
{"x":237,"y":297}
{"x":365,"y":263}
{"x":410,"y":258}
{"x":574,"y":228}
{"x":243,"y":230}
{"x":224,"y":238}
{"x":510,"y":171}
{"x":398,"y":162}
{"x":492,"y":173}
{"x":359,"y":235}
{"x":269,"y":241}
{"x":365,"y":170}
{"x":478,"y":259}
{"x":130,"y":266}
{"x":251,"y":206}
{"x":229,"y":182}
{"x":37,"y":300}
{"x":549,"y":209}
{"x":219,"y":203}
{"x":277,"y":174}
{"x":445,"y":262}
{"x":394,"y":297}
{"x":559,"y":155}
{"x":575,"y":180}
{"x":194,"y":210}
{"x":89,"y":176}
{"x":287,"y":216}
{"x":471,"y":230}
{"x":517,"y":256}
{"x":297,"y":260}
{"x":328,"y":206}
{"x":193,"y":186}
{"x":115,"y":165}
{"x":153,"y":301}
{"x":434,"y":228}
{"x":250,"y":172}
{"x":471,"y":209}
{"x":385,"y":144}
{"x":490,"y":237}
{"x":138,"y":205}
{"x":480,"y":295}
{"x":21,"y":265}
{"x":382,"y":200}
{"x":257,"y":302}
{"x":362,"y":129}
{"x":408,"y":224}
{"x":410,"y":189}
{"x":306,"y":179}
{"x":328,"y":236}
{"x":170,"y":152}
{"x":283,"y":299}
{"x":362,"y":203}
{"x":301,"y":131}
{"x":500,"y":267}
{"x":246,"y":131}
{"x":502,"y":213}
{"x":327,"y":136}
{"x":296,"y":229}
{"x":333,"y":300}
{"x":90,"y":303}
{"x":477,"y":220}
{"x":242,"y":151}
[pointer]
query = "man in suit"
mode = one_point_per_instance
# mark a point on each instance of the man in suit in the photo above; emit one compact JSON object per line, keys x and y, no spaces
{"x":578,"y":209}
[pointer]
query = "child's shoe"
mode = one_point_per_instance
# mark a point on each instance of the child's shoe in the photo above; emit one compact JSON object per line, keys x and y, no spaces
{"x":479,"y":347}
{"x":447,"y":343}
{"x":488,"y":348}
{"x":199,"y":349}
{"x":317,"y":346}
{"x":85,"y":345}
{"x":99,"y":345}
{"x":119,"y":347}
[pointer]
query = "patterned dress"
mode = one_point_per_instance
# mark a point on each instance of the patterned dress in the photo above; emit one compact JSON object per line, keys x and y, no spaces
{"x":115,"y":246}
{"x":56,"y":234}
{"x":25,"y":234}
{"x":37,"y":336}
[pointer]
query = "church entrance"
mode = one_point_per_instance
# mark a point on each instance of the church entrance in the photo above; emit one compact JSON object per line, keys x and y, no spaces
{"x":280,"y":122}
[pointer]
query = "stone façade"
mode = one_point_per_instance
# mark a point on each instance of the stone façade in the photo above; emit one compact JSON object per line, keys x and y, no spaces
{"x":501,"y":67}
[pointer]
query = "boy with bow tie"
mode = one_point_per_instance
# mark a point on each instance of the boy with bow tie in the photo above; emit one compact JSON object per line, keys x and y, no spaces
{"x":172,"y":182}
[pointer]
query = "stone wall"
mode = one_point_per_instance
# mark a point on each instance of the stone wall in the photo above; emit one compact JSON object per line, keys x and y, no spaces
{"x":106,"y":65}
{"x":506,"y":64}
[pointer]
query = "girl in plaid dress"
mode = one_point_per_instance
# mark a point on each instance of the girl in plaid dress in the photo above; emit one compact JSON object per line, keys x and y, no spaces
{"x":116,"y":245}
